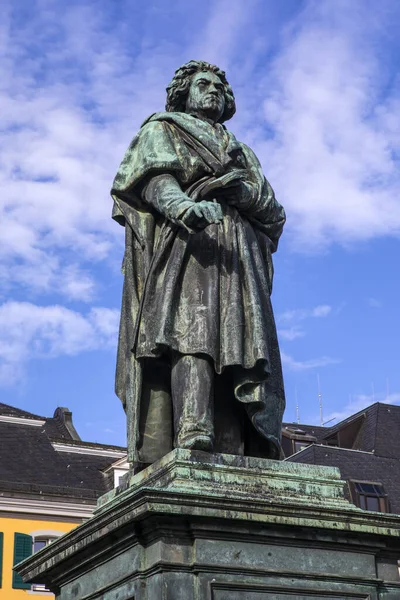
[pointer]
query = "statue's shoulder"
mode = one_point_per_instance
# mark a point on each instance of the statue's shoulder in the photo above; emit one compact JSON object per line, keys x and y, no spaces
{"x":247,"y":150}
{"x":154,"y":121}
{"x":151,"y":119}
{"x":161,"y":124}
{"x":179,"y":119}
{"x":162,"y":117}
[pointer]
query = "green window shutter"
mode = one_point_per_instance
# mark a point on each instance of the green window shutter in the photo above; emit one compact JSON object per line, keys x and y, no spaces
{"x":22,"y":549}
{"x":1,"y":559}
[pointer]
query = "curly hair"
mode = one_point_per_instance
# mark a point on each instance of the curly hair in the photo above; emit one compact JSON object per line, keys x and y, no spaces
{"x":178,"y":89}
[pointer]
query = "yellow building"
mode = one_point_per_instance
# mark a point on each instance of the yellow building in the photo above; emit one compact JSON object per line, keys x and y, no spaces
{"x":49,"y":483}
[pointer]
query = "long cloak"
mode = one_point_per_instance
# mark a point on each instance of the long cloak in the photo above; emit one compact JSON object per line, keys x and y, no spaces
{"x":159,"y":311}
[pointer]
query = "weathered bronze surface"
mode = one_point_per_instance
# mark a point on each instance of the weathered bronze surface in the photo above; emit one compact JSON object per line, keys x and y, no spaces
{"x":197,"y":526}
{"x":198,"y":361}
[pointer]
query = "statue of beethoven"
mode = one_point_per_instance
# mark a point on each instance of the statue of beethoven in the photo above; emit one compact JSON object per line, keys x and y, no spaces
{"x":198,"y":362}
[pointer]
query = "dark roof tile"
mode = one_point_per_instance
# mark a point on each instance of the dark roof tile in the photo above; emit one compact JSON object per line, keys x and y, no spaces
{"x":29,"y":462}
{"x":12,"y":411}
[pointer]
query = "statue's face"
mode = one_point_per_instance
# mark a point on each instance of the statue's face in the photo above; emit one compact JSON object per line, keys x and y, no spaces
{"x":206,"y":96}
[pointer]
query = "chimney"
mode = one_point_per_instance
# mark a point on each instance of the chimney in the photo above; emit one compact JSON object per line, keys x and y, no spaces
{"x":65,"y":416}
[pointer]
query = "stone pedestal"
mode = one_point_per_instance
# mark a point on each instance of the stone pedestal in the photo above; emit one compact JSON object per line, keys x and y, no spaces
{"x":196,"y":526}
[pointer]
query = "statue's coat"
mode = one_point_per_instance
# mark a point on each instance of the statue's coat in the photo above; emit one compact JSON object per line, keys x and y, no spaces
{"x":207,"y":292}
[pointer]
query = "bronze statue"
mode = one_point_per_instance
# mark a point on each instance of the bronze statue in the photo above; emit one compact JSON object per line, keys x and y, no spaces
{"x":198,"y":360}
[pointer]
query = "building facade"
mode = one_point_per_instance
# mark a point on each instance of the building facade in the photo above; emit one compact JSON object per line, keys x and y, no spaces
{"x":49,"y":483}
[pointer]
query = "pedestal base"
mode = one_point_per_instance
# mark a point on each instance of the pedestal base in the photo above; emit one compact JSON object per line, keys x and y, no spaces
{"x":196,"y":526}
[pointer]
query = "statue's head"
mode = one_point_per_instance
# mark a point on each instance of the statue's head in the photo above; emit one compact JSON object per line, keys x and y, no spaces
{"x":198,"y":87}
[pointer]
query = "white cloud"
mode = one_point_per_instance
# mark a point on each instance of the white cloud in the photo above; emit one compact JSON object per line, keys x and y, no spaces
{"x":67,"y":118}
{"x":360,"y":401}
{"x":47,"y":275}
{"x":321,"y":311}
{"x":68,"y":114}
{"x":333,"y":114}
{"x":224,"y":30}
{"x":303,"y":365}
{"x":292,"y":319}
{"x":106,"y":321}
{"x":300,"y":314}
{"x":291,"y":333}
{"x":28,"y":331}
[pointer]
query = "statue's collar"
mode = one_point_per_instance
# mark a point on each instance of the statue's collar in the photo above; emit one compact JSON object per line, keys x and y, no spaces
{"x":183,"y":119}
{"x":201,"y":130}
{"x":210,"y":121}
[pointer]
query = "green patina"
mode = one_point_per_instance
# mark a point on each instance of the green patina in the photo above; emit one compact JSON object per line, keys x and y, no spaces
{"x":239,"y":521}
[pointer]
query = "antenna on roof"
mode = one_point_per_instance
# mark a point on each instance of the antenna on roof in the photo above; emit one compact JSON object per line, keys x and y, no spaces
{"x":297,"y":406}
{"x":330,"y":420}
{"x":321,"y":417}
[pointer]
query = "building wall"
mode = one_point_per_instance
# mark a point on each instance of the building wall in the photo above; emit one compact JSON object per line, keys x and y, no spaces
{"x":10,"y":524}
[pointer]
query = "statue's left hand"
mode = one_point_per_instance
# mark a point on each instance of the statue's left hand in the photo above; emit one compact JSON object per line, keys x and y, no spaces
{"x":201,"y":214}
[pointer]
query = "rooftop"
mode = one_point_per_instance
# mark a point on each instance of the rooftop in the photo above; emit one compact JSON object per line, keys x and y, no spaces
{"x":45,"y":455}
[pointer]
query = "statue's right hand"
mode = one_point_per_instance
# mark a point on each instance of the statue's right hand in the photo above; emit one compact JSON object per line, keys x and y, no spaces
{"x":201,"y":214}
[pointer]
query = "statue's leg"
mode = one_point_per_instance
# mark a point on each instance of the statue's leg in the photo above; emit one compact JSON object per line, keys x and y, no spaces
{"x":155,"y":424}
{"x":192,"y":386}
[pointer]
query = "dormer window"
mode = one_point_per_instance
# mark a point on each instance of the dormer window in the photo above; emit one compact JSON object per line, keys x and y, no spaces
{"x":117,"y":470}
{"x":295,"y":439}
{"x":300,"y":445}
{"x":369,"y":495}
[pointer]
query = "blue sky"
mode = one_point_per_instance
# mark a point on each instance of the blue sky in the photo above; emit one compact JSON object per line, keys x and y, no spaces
{"x":318,"y":99}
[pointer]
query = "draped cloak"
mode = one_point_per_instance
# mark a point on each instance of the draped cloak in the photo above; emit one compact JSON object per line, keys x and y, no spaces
{"x":206,"y":292}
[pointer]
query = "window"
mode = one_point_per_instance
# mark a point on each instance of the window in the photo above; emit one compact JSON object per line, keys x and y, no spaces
{"x":300,"y":445}
{"x":332,"y":441}
{"x":370,"y":496}
{"x":38,"y":543}
{"x":24,"y":546}
{"x":41,"y":539}
{"x":41,"y":542}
